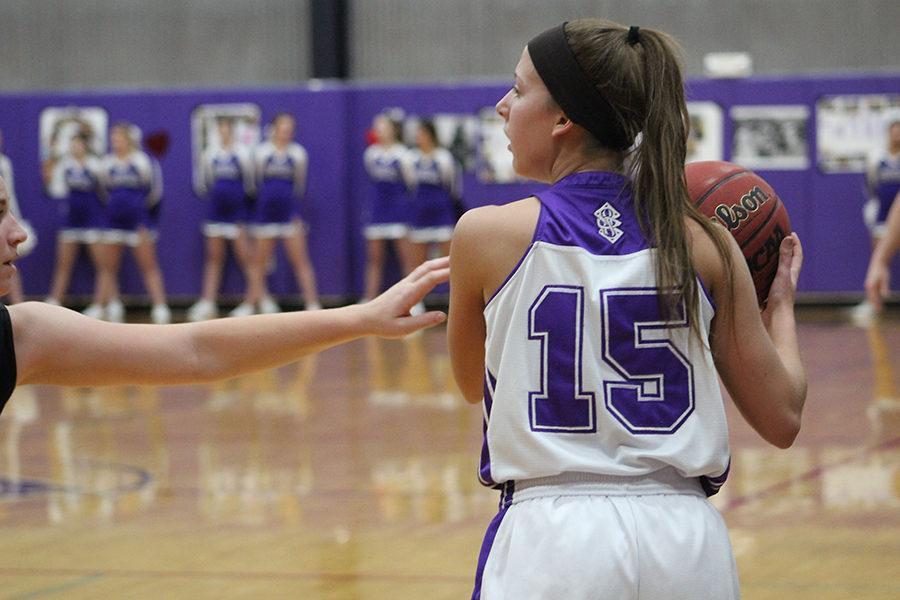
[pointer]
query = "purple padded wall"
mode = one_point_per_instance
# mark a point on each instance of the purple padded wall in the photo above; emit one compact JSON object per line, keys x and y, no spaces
{"x":825,"y":208}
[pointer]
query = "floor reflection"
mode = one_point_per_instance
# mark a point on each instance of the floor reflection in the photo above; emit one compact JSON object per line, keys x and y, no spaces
{"x":352,"y":475}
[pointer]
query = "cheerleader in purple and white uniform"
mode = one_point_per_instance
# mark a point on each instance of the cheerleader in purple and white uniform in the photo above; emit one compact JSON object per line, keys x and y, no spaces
{"x":128,"y":177}
{"x":227,"y":181}
{"x":388,"y":210}
{"x":432,"y":174}
{"x":75,"y":182}
{"x":281,"y":166}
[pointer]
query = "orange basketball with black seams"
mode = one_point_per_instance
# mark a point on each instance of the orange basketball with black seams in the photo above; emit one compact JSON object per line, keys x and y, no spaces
{"x":749,"y":208}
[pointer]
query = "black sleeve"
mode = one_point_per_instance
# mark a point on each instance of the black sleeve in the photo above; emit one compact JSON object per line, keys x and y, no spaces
{"x":7,"y":358}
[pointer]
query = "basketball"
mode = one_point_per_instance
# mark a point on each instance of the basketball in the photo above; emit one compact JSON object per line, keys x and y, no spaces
{"x":749,"y":208}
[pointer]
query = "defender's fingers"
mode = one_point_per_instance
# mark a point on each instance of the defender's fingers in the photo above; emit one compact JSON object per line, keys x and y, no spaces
{"x":407,"y":325}
{"x":429,"y":265}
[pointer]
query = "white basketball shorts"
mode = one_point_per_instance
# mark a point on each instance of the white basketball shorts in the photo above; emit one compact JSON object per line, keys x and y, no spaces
{"x":574,"y":543}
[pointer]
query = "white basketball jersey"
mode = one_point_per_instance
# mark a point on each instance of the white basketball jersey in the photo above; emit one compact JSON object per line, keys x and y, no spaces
{"x":583,"y":374}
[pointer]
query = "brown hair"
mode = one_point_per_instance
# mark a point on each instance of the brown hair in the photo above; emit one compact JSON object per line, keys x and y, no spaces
{"x":643,"y":83}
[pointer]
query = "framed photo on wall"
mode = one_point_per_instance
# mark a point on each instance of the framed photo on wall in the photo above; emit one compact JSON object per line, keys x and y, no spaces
{"x":851,"y":130}
{"x":770,"y":137}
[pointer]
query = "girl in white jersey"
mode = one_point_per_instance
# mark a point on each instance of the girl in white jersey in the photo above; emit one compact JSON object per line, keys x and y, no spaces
{"x":42,"y":343}
{"x":579,"y":319}
{"x":878,"y":276}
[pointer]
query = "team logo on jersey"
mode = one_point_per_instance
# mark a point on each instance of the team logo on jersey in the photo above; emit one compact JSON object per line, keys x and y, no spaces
{"x":608,"y":222}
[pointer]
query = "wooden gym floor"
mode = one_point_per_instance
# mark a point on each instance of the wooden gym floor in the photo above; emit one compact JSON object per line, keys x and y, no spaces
{"x":351,"y":476}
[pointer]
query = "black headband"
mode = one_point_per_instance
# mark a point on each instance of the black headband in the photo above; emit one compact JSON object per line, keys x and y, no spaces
{"x":557,"y":66}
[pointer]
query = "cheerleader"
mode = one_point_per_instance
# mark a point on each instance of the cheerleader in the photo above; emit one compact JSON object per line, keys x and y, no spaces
{"x":227,"y":181}
{"x":882,"y":186}
{"x":389,"y":202}
{"x":128,"y":177}
{"x":75,"y":182}
{"x":281,"y":166}
{"x":431,"y":173}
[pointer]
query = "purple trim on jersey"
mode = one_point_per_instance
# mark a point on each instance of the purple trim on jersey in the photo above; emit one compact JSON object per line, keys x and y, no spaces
{"x":712,"y":485}
{"x":515,"y":269}
{"x":389,"y":203}
{"x":484,"y":470}
{"x":490,"y":535}
{"x":569,"y":216}
{"x":706,"y":292}
{"x":431,"y":207}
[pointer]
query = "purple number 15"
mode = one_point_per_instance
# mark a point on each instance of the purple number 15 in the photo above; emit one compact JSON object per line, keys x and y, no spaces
{"x":653,"y":390}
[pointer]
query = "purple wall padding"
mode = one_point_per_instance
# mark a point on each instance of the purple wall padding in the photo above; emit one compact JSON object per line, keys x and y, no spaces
{"x":825,"y":209}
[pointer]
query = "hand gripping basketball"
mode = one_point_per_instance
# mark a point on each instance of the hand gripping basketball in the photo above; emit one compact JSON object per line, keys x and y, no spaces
{"x":746,"y":205}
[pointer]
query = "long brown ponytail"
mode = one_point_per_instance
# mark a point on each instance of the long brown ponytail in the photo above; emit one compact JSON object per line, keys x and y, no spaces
{"x":641,"y":78}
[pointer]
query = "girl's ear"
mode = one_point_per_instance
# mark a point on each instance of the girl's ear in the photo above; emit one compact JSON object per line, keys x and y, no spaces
{"x":562,"y":126}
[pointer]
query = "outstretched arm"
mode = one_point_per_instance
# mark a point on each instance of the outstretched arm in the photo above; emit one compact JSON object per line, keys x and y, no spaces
{"x":878,"y":276}
{"x":57,"y":346}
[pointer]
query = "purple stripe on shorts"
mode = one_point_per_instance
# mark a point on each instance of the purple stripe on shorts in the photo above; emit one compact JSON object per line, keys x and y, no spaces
{"x":490,"y":534}
{"x":484,"y":470}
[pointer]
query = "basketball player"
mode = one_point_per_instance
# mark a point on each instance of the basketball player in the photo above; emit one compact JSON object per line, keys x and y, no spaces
{"x":42,"y":343}
{"x":281,"y":166}
{"x":227,"y":181}
{"x":75,"y":183}
{"x":882,"y":186}
{"x":128,"y":178}
{"x":389,"y":205}
{"x":878,"y":276}
{"x":592,"y":321}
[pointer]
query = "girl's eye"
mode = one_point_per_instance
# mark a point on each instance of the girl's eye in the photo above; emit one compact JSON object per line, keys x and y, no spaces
{"x":515,"y":90}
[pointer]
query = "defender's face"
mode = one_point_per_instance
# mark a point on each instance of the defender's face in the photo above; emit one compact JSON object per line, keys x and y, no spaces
{"x":11,"y":235}
{"x":530,"y":114}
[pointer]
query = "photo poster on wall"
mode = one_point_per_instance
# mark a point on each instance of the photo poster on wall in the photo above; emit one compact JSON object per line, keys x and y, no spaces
{"x":706,"y":139}
{"x":770,"y":137}
{"x":57,"y":125}
{"x":851,"y":130}
{"x":245,"y":120}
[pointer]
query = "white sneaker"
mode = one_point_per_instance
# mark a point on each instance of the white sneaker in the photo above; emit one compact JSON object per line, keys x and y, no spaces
{"x":160,"y":314}
{"x":863,"y":314}
{"x":313,"y":306}
{"x":52,"y":301}
{"x":244,"y":309}
{"x":268,"y":306}
{"x":94,"y":311}
{"x":202,"y":310}
{"x":115,"y":311}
